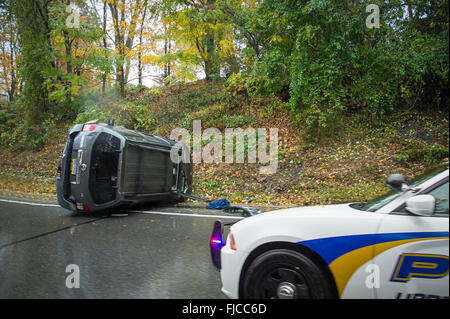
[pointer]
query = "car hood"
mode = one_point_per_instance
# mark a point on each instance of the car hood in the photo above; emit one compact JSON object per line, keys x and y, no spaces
{"x":304,"y":223}
{"x":305,"y":211}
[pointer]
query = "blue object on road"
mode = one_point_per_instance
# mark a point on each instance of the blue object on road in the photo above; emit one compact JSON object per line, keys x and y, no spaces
{"x":218,"y":204}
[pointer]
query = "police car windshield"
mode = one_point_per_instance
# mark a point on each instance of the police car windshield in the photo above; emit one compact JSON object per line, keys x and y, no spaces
{"x":385,"y":199}
{"x":381,"y":201}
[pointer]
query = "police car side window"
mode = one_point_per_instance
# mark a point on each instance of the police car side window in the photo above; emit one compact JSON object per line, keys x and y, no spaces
{"x":441,"y":195}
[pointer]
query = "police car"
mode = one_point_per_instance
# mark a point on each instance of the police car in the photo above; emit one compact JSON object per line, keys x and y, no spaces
{"x":395,"y":246}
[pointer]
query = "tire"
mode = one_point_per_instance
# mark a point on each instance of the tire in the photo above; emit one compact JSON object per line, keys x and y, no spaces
{"x":285,"y":274}
{"x":185,"y":183}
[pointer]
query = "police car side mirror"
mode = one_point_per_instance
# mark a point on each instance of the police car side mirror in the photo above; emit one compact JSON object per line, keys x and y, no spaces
{"x":422,"y":205}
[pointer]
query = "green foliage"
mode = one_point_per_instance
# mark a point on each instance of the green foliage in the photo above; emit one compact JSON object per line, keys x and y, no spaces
{"x":17,"y":134}
{"x":322,"y":53}
{"x":196,"y":100}
{"x":128,"y":114}
{"x":50,"y":66}
{"x":316,"y":59}
{"x":435,"y":152}
{"x":419,"y":152}
{"x":103,"y":106}
{"x":236,"y":120}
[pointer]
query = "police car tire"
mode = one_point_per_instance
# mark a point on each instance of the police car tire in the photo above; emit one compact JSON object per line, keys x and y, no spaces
{"x":295,"y":266}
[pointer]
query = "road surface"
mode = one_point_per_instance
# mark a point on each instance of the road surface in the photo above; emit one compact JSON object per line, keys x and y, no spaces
{"x":151,"y":253}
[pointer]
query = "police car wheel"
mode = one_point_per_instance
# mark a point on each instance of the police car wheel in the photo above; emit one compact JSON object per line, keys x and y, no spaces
{"x":285,"y":274}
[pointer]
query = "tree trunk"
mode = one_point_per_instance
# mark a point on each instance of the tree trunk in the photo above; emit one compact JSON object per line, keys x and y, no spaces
{"x":140,"y":45}
{"x":105,"y":74}
{"x":119,"y":44}
{"x":33,"y":30}
{"x":12,"y":88}
{"x":211,"y":67}
{"x":167,"y":47}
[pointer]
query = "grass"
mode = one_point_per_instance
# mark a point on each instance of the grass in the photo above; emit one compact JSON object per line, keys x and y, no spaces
{"x":28,"y":186}
{"x":350,"y":164}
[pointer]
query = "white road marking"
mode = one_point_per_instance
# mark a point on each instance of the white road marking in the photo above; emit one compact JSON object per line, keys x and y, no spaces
{"x":130,"y":211}
{"x":27,"y":203}
{"x":185,"y":214}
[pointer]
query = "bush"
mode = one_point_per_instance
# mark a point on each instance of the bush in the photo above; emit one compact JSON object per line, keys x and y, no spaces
{"x":434,"y":153}
{"x":332,"y":64}
{"x":16,"y":134}
{"x":417,"y":152}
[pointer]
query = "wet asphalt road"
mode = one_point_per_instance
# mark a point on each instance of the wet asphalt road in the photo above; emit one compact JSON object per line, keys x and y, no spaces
{"x":142,"y":255}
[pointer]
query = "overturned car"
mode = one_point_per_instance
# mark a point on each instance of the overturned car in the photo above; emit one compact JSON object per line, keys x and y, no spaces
{"x":105,"y":166}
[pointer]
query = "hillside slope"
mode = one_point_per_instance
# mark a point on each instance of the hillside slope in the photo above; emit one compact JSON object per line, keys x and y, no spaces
{"x":350,"y":163}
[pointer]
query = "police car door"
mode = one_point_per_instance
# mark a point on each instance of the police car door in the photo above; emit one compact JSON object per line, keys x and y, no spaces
{"x":412,"y":252}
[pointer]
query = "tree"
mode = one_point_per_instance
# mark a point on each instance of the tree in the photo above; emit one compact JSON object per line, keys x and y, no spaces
{"x":75,"y":50}
{"x":33,"y":27}
{"x":9,"y":52}
{"x":125,"y":17}
{"x":323,"y":58}
{"x":57,"y":56}
{"x":140,"y":47}
{"x":204,"y":26}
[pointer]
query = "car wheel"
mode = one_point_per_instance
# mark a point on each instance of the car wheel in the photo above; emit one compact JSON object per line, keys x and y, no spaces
{"x":285,"y":274}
